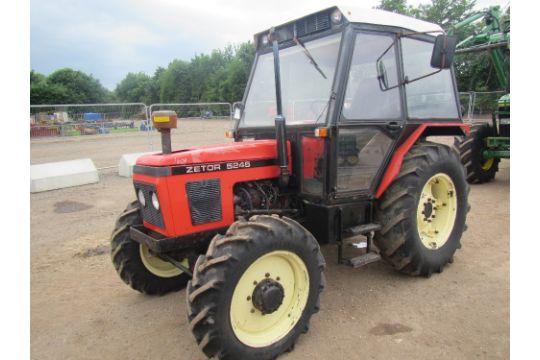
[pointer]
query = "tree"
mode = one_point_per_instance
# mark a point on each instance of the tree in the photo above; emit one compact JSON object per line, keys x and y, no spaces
{"x":219,"y":76}
{"x":135,"y":88}
{"x":81,"y":88}
{"x":176,"y":83}
{"x":155,"y":85}
{"x":444,"y":12}
{"x":66,"y":86}
{"x":397,"y":6}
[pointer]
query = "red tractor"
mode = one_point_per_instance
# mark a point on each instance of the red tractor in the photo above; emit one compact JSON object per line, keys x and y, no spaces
{"x":330,"y":147}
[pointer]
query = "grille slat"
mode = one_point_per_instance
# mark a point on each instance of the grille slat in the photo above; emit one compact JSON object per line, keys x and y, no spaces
{"x":312,"y":24}
{"x":204,"y":201}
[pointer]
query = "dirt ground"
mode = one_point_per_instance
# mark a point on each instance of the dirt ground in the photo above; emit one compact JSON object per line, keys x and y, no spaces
{"x":80,"y":309}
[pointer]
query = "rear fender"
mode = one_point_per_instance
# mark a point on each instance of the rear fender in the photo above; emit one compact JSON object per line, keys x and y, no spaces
{"x":424,"y":129}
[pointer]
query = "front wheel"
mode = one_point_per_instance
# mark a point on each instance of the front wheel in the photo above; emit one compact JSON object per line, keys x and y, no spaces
{"x":255,"y":290}
{"x":137,"y":265}
{"x":423,"y":212}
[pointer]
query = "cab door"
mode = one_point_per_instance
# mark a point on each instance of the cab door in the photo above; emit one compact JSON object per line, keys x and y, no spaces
{"x":371,"y":119}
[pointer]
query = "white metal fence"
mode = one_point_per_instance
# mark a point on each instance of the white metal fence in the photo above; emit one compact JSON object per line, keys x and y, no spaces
{"x":92,"y":119}
{"x":85,"y":119}
{"x":479,"y":105}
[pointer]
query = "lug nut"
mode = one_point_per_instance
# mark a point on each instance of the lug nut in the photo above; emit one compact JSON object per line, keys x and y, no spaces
{"x":255,"y":282}
{"x":252,"y":311}
{"x":267,"y":274}
{"x":248,"y":298}
{"x":277,"y":278}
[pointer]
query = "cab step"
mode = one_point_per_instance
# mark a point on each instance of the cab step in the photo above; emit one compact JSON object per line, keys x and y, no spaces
{"x":363,"y":260}
{"x":363,"y":229}
{"x":361,"y":238}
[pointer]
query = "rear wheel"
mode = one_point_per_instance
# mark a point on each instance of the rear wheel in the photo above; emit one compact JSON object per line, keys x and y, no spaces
{"x":255,"y":290}
{"x":423,"y":212}
{"x":471,"y":148}
{"x":136,"y":264}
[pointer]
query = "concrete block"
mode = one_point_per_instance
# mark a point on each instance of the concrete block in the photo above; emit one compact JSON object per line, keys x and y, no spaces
{"x":59,"y":175}
{"x":125,"y":165}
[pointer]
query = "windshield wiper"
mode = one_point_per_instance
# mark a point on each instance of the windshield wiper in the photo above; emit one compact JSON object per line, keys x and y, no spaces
{"x":332,"y":97}
{"x":308,"y":54}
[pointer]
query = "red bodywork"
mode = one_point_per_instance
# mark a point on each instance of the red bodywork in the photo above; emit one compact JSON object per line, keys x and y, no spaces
{"x":397,"y":159}
{"x":172,"y":189}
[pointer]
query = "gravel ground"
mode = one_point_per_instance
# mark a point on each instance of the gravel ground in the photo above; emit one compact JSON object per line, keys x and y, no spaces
{"x":80,"y":309}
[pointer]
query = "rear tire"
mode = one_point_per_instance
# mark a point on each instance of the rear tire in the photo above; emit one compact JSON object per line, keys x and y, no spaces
{"x":224,"y":316}
{"x":423,"y":212}
{"x":470,"y":148}
{"x":135,"y":264}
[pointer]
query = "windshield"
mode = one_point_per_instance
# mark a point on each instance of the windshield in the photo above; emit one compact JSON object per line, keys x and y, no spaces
{"x":305,"y":92}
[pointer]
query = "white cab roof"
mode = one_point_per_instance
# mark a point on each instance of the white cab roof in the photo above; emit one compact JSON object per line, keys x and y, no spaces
{"x":380,"y":17}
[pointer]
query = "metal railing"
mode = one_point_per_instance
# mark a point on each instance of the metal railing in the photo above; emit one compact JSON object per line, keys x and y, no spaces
{"x":85,"y":119}
{"x":59,"y":120}
{"x":210,"y":110}
{"x":479,"y":105}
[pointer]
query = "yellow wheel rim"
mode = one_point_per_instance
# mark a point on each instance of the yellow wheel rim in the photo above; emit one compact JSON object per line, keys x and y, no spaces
{"x":488,"y":164}
{"x":157,"y":266}
{"x":437,"y":210}
{"x":250,"y":326}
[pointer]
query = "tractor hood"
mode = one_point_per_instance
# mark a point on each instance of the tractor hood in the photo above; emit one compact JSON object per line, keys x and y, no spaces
{"x":234,"y":151}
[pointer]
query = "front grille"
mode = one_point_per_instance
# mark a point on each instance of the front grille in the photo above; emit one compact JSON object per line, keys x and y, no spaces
{"x":149,"y":213}
{"x":313,"y":24}
{"x":204,"y":201}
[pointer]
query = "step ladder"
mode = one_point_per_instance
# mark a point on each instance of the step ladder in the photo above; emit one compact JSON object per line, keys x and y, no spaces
{"x":359,"y":237}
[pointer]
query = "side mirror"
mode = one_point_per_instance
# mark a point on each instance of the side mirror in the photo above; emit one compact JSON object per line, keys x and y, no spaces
{"x":382,"y":75}
{"x":237,"y":111}
{"x":443,"y":52}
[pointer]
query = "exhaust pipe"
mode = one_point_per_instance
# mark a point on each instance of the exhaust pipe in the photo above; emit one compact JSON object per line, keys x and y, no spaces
{"x":164,"y":121}
{"x":280,"y":122}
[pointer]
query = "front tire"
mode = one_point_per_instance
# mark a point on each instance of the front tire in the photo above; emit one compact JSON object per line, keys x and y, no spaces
{"x":255,"y":290}
{"x":136,"y":265}
{"x":423,"y":212}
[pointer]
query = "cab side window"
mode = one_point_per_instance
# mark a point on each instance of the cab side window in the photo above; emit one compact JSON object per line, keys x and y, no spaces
{"x":433,"y":96}
{"x":364,"y":99}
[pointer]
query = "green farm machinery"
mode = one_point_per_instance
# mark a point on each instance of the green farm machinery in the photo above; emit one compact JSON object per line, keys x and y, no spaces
{"x":488,"y":143}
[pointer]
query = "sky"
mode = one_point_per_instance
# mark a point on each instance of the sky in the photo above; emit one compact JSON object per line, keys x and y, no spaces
{"x":110,"y":38}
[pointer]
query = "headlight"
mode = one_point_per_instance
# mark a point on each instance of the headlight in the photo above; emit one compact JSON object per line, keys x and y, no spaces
{"x":336,"y":17}
{"x":264,"y":39}
{"x":155,"y":201}
{"x":140,"y":196}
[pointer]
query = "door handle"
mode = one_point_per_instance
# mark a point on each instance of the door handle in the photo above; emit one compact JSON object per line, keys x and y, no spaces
{"x":393,"y":126}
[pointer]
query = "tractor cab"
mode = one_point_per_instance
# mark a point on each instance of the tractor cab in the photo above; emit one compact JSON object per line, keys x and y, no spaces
{"x":351,"y":82}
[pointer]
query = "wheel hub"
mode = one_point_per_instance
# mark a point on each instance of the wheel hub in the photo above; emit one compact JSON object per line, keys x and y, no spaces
{"x":284,"y":291}
{"x":428,"y":210}
{"x":268,"y":296}
{"x":437,"y":211}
